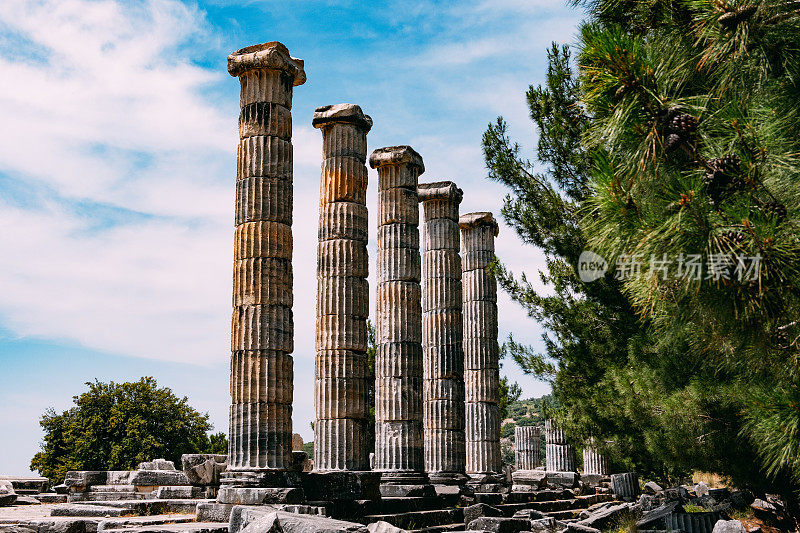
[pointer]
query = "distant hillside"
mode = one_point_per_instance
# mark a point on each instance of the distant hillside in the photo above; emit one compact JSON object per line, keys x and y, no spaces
{"x":530,"y":412}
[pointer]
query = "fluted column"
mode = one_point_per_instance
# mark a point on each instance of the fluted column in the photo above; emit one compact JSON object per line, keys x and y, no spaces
{"x":559,"y":456}
{"x":398,"y":361}
{"x":593,"y":461}
{"x":340,"y":393}
{"x":442,"y":334}
{"x":481,"y":351}
{"x":526,"y":447}
{"x":262,"y":325}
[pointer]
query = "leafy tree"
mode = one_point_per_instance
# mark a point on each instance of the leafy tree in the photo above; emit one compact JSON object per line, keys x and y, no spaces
{"x":115,"y":426}
{"x":372,"y":348}
{"x":508,"y":393}
{"x":216,"y":443}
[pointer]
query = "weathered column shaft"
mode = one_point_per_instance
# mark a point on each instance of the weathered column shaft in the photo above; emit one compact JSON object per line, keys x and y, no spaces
{"x":527,"y":445}
{"x":398,"y":361}
{"x":481,"y":351}
{"x":442,"y":334}
{"x":340,"y":392}
{"x":262,"y":324}
{"x":559,"y":456}
{"x":594,"y":462}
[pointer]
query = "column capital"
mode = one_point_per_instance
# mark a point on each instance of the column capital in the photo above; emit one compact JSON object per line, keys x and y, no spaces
{"x":396,"y":155}
{"x":480,"y":218}
{"x":439,"y":190}
{"x":341,"y":114}
{"x":267,"y":56}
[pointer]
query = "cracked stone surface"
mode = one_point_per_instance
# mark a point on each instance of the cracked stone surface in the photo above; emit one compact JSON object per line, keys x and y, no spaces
{"x":481,"y":351}
{"x":340,"y":391}
{"x":527,"y":446}
{"x":442,"y":334}
{"x":262,"y":327}
{"x":398,"y":362}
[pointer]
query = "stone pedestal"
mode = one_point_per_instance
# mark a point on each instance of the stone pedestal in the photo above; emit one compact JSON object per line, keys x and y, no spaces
{"x":481,"y":351}
{"x":559,"y":456}
{"x":398,"y":361}
{"x":260,"y":442}
{"x":527,"y":445}
{"x":442,"y":335}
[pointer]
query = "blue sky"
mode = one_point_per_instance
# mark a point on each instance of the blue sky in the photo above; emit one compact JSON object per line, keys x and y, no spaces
{"x":117,"y":169}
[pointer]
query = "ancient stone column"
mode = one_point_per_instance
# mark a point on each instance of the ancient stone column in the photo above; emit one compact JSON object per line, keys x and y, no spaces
{"x":625,"y":486}
{"x":398,"y":361}
{"x":559,"y":456}
{"x":481,"y":351}
{"x":260,"y":443}
{"x":593,"y":461}
{"x":442,"y":335}
{"x":340,"y":393}
{"x":526,"y":447}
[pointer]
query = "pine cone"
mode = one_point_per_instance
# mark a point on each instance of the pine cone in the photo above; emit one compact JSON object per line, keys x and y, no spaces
{"x":721,"y":170}
{"x":683,"y":124}
{"x":780,"y":338}
{"x":731,"y":19}
{"x":733,"y":237}
{"x":672,"y":141}
{"x":775,"y":210}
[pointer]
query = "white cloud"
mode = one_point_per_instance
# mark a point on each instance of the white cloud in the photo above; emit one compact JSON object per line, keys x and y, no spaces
{"x":102,"y":105}
{"x":101,"y":111}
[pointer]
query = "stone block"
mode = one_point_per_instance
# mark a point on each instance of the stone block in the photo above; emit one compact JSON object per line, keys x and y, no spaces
{"x":297,"y":441}
{"x":531,"y":478}
{"x":578,"y":528}
{"x":213,"y":512}
{"x":73,"y":509}
{"x":544,"y":524}
{"x":592,"y":480}
{"x":479,"y":510}
{"x":156,"y":464}
{"x":28,"y":485}
{"x":529,"y":514}
{"x":390,"y":490}
{"x":177,"y":492}
{"x":606,"y":517}
{"x":7,"y":494}
{"x":729,"y":526}
{"x":203,"y":469}
{"x":342,"y":485}
{"x":651,"y":487}
{"x":50,"y":497}
{"x":154,"y":478}
{"x":563,"y":479}
{"x":499,"y":524}
{"x":284,"y":522}
{"x":383,"y":527}
{"x":77,"y":480}
{"x":117,"y":477}
{"x":259,"y":496}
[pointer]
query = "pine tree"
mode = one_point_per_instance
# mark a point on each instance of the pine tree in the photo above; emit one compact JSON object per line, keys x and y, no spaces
{"x":660,"y":372}
{"x":695,"y":143}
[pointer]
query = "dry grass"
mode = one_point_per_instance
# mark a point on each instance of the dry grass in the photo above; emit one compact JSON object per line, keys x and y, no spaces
{"x":714,"y":481}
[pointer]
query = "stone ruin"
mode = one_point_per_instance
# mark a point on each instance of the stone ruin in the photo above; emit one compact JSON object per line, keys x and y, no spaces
{"x":437,"y":463}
